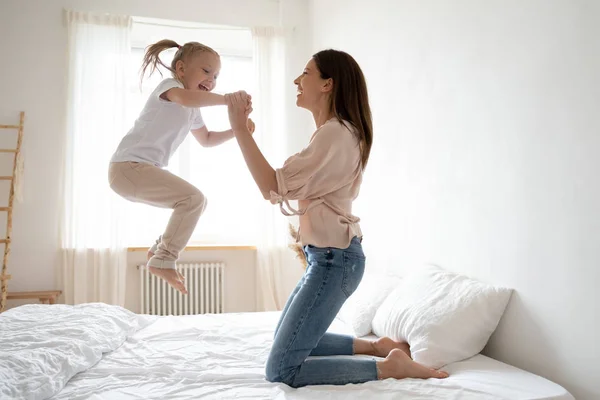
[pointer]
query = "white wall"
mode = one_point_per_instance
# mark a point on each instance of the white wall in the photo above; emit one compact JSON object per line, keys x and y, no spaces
{"x":294,"y":15}
{"x":32,"y":78}
{"x":486,"y":158}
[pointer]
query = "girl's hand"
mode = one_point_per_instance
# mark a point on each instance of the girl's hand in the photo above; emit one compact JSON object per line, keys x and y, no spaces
{"x":250,"y":125}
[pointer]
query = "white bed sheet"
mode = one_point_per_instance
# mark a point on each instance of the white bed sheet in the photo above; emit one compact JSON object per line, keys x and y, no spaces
{"x":223,"y":357}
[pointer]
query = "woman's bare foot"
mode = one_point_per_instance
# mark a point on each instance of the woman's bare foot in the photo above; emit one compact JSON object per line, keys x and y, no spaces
{"x":172,"y":276}
{"x":383,"y":346}
{"x":398,"y":365}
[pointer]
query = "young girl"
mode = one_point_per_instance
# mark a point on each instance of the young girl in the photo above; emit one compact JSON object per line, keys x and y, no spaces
{"x":173,"y":109}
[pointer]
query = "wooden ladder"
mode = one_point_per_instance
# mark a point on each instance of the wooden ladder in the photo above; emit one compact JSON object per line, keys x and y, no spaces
{"x":4,"y":277}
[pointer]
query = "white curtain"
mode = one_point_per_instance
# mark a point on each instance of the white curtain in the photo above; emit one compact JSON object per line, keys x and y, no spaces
{"x":273,"y":255}
{"x":94,"y":254}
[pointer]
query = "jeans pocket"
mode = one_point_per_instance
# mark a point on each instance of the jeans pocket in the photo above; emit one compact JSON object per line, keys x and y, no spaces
{"x":317,"y":254}
{"x":354,"y":268}
{"x":320,"y":250}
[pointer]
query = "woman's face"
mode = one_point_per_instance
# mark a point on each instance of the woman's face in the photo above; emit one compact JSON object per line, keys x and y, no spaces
{"x":311,"y":87}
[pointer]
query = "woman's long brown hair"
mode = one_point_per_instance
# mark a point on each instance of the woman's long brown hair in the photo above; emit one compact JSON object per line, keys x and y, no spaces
{"x":349,"y":100}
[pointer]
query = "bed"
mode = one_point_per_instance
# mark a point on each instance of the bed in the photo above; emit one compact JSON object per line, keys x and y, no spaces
{"x":97,"y":351}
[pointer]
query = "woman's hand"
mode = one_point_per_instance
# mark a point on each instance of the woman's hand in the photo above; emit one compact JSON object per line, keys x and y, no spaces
{"x":239,"y":106}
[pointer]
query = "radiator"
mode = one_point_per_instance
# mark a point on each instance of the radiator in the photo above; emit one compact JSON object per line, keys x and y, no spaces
{"x":205,"y":283}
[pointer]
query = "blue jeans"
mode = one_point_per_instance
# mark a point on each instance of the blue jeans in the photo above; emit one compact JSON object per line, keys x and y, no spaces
{"x":331,"y":276}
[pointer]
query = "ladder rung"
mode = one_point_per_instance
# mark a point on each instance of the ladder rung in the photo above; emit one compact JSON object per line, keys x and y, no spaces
{"x":6,"y":178}
{"x":9,"y":126}
{"x":8,"y":150}
{"x":5,"y":277}
{"x":5,"y":208}
{"x":4,"y":241}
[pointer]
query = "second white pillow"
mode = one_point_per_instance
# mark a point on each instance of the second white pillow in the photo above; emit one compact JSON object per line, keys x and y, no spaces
{"x":444,"y":317}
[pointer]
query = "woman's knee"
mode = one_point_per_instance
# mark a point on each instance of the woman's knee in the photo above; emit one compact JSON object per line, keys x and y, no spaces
{"x":272,"y":367}
{"x":275,"y":377}
{"x":276,"y":374}
{"x":272,"y":376}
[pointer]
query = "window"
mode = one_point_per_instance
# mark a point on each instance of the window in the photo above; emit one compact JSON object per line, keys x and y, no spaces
{"x":219,"y":172}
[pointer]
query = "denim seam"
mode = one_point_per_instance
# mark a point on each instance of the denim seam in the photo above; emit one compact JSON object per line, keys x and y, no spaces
{"x":345,"y":275}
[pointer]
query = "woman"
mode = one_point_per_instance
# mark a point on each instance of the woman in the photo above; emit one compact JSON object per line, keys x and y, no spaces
{"x":325,"y":178}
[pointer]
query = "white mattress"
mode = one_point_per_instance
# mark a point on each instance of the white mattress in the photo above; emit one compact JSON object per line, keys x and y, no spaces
{"x":223,"y":357}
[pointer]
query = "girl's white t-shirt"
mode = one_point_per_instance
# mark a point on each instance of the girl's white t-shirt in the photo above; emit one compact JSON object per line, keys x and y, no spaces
{"x":159,"y":130}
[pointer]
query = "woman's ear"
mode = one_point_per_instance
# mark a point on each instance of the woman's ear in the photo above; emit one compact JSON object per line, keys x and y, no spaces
{"x":327,"y":86}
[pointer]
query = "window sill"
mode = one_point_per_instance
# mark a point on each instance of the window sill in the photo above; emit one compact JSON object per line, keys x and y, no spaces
{"x":202,"y":248}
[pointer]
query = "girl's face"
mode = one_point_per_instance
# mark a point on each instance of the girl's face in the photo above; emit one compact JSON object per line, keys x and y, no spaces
{"x":200,"y":72}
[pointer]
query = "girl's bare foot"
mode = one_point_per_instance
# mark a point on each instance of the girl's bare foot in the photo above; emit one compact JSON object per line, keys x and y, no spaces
{"x":172,"y":276}
{"x":179,"y":275}
{"x":383,"y":346}
{"x":398,"y":365}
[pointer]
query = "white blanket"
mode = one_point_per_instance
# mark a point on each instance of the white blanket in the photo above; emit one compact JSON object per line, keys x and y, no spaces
{"x":42,"y":346}
{"x":223,"y":357}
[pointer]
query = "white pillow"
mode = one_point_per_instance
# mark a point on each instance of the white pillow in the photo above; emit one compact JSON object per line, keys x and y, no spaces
{"x":360,"y":308}
{"x":444,"y":317}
